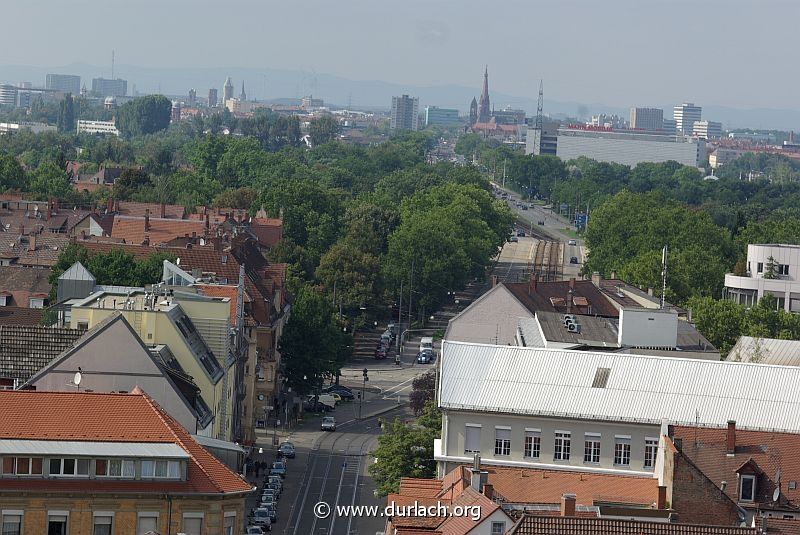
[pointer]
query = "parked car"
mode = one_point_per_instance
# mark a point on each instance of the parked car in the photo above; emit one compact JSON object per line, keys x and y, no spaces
{"x":513,"y":239}
{"x":326,"y":399}
{"x":286,"y":449}
{"x":273,"y":513}
{"x":540,"y":222}
{"x":274,"y":488}
{"x":315,"y":406}
{"x":380,"y":353}
{"x":572,"y":242}
{"x":275,"y":480}
{"x":344,"y":392}
{"x":278,"y":468}
{"x":524,"y":206}
{"x":269,"y":496}
{"x":261,"y":517}
{"x":328,"y":423}
{"x":573,"y":260}
{"x":254,"y":530}
{"x":521,"y":233}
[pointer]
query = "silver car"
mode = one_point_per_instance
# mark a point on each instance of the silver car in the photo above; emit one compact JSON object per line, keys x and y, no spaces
{"x":328,"y":423}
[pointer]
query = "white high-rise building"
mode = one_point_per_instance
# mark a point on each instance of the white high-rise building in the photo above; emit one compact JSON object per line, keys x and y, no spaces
{"x":707,"y":129}
{"x":685,"y":115}
{"x":405,"y":113}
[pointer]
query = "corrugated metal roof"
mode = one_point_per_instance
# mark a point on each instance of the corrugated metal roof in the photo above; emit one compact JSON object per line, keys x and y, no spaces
{"x":640,"y":388}
{"x":766,"y":351}
{"x":92,"y":449}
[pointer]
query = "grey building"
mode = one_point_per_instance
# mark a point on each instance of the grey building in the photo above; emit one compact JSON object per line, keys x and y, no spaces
{"x":68,"y":83}
{"x":647,"y":118}
{"x":685,"y":116}
{"x":544,"y":141}
{"x":405,"y":113}
{"x":212,"y":97}
{"x":105,"y":87}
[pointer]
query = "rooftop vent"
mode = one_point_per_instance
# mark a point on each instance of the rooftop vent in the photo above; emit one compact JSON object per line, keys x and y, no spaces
{"x":601,"y":377}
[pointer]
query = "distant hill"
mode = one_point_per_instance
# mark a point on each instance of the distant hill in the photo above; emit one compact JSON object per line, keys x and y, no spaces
{"x":371,"y":94}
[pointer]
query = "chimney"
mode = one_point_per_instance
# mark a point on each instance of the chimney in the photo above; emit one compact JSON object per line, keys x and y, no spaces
{"x":613,"y":275}
{"x":110,"y":205}
{"x":650,"y":291}
{"x":730,"y":441}
{"x":163,"y":210}
{"x":567,"y":505}
{"x":32,"y":242}
{"x":116,"y":205}
{"x":494,"y":281}
{"x":596,"y":278}
{"x":572,"y":283}
{"x":488,"y":491}
{"x":207,"y":223}
{"x":661,"y":502}
{"x":147,"y":219}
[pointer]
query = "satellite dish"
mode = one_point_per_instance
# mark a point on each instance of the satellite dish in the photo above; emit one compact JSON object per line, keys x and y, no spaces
{"x":77,"y":379}
{"x":776,"y":495}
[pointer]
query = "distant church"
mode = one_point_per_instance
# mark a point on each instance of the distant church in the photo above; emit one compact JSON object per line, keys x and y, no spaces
{"x":480,"y":112}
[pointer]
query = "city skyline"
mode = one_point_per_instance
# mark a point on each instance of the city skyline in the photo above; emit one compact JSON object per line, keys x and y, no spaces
{"x":592,"y":53}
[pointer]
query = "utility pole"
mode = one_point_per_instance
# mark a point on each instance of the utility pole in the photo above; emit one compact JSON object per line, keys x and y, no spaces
{"x":663,"y":274}
{"x":363,"y":393}
{"x":411,"y":292}
{"x":400,"y":314}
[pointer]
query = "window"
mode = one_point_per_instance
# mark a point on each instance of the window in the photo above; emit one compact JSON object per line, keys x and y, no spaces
{"x":650,"y":452}
{"x":57,"y":522}
{"x":12,"y":523}
{"x":760,"y":268}
{"x":115,"y":468}
{"x":161,"y":469}
{"x":472,"y":439}
{"x":69,"y":467}
{"x":622,"y":451}
{"x":192,"y":523}
{"x":783,"y":269}
{"x":562,"y":446}
{"x":147,"y":522}
{"x":102,"y":524}
{"x":498,"y":528}
{"x":591,"y":448}
{"x":22,"y":466}
{"x":230,"y":522}
{"x":533,"y":443}
{"x":747,"y":488}
{"x":36,"y":302}
{"x":502,"y":441}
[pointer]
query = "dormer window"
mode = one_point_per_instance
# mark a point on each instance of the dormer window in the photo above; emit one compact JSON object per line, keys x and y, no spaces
{"x":161,"y":469}
{"x":115,"y":468}
{"x":747,"y":488}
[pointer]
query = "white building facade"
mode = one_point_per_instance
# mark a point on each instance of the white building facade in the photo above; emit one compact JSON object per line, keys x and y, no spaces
{"x":685,"y":116}
{"x":97,"y":127}
{"x":771,"y":269}
{"x":405,"y":113}
{"x":707,"y":129}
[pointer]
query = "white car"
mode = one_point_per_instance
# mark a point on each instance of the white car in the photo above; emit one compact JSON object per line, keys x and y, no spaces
{"x":572,"y":242}
{"x":254,"y":530}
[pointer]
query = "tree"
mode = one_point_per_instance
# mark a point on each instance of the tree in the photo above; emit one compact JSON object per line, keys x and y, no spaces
{"x":771,"y":268}
{"x":313,"y":345}
{"x":12,"y":175}
{"x":240,"y":198}
{"x":722,"y":322}
{"x":353,"y":272}
{"x":405,"y":450}
{"x":49,"y":181}
{"x":144,"y":115}
{"x":323,"y":129}
{"x":66,"y":115}
{"x":423,"y":391}
{"x":129,"y":182}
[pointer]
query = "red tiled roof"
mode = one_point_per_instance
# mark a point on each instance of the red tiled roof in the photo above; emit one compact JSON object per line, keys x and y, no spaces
{"x":707,"y":449}
{"x":533,"y":485}
{"x":21,"y":283}
{"x":73,"y":416}
{"x":267,"y":231}
{"x":132,"y":229}
{"x":139,"y":209}
{"x":457,"y":525}
{"x":779,"y":526}
{"x":559,"y":525}
{"x":20,"y":316}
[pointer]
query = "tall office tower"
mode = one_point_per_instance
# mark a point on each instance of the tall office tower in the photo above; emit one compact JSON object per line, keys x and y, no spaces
{"x":405,"y":113}
{"x":192,"y":97}
{"x":212,"y":97}
{"x":227,"y":90}
{"x":647,"y":118}
{"x":68,"y":83}
{"x":105,"y":87}
{"x":685,"y":115}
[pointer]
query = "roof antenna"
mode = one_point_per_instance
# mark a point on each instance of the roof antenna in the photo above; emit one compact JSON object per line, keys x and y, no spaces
{"x":112,"y":64}
{"x":664,"y":252}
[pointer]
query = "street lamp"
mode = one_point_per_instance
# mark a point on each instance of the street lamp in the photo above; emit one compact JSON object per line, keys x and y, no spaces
{"x":363,"y":393}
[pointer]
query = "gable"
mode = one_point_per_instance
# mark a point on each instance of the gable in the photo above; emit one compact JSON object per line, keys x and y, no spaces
{"x":491,"y":319}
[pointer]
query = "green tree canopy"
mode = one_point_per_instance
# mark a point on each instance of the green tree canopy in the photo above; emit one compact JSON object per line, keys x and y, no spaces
{"x":144,"y":115}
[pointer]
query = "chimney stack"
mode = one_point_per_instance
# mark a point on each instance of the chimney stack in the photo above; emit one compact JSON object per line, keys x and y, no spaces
{"x":568,"y":505}
{"x":572,"y":283}
{"x":207,"y":223}
{"x":596,"y":278}
{"x":730,"y":442}
{"x":110,"y":205}
{"x":494,"y":281}
{"x":488,"y":491}
{"x":613,"y":275}
{"x":661,"y":503}
{"x":163,"y":208}
{"x":32,"y":242}
{"x":147,"y":219}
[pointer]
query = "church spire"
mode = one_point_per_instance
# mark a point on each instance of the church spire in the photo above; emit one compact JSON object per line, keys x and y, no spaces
{"x":243,"y":96}
{"x":484,"y":107}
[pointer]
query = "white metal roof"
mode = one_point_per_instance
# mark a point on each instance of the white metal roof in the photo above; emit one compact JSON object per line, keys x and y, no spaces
{"x":639,"y":388}
{"x":766,"y":351}
{"x":92,"y":449}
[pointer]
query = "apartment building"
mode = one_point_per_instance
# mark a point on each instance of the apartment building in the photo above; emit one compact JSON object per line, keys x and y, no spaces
{"x":772,"y":269}
{"x":76,"y":463}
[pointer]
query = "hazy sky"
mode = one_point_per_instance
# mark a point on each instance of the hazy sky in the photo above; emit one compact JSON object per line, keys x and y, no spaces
{"x":740,"y":53}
